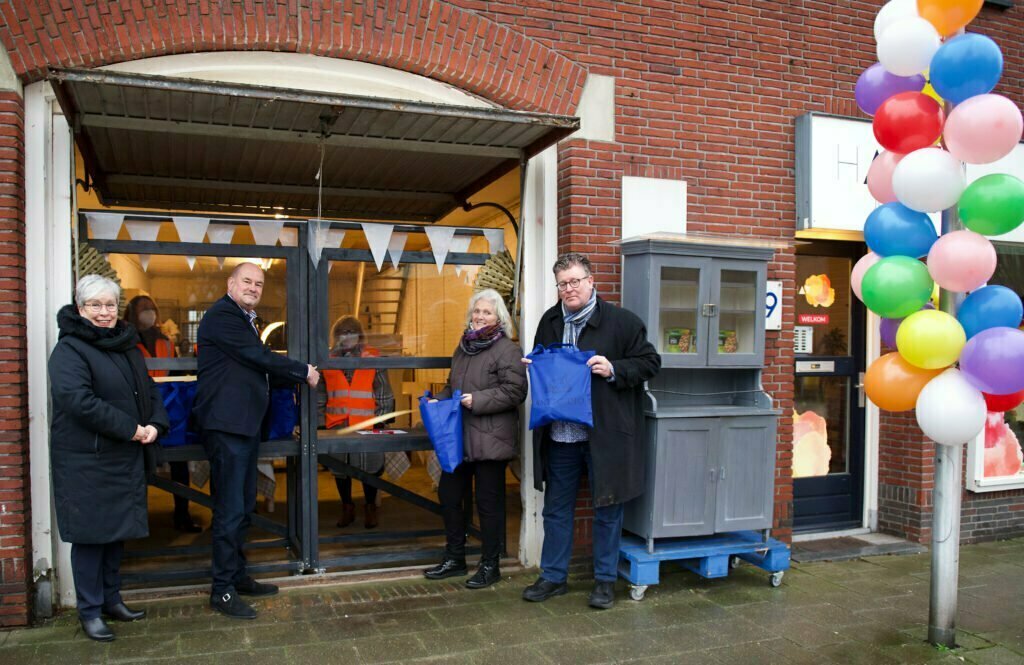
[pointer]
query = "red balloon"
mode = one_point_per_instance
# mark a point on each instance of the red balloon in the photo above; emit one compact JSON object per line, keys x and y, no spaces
{"x":907,"y":122}
{"x":1003,"y":403}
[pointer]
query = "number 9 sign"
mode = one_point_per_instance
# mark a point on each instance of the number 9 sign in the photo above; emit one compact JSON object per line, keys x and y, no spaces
{"x":773,"y":306}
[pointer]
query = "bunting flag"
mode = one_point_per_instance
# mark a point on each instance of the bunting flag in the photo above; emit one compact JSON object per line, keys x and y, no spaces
{"x":379,"y":236}
{"x":495,"y":240}
{"x":104,"y":225}
{"x":145,"y":231}
{"x":220,"y":262}
{"x":191,"y":229}
{"x":144,"y":261}
{"x":289,"y":236}
{"x":221,"y":234}
{"x":440,"y":241}
{"x":316,"y":235}
{"x":266,"y":231}
{"x":396,"y":247}
{"x":460,"y":245}
{"x":334,"y":238}
{"x":191,"y":260}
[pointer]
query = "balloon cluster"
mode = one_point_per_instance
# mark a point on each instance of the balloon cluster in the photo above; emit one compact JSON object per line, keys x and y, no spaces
{"x":951,"y":369}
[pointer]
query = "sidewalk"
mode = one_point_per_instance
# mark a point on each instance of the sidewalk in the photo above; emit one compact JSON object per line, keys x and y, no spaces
{"x":871,"y":610}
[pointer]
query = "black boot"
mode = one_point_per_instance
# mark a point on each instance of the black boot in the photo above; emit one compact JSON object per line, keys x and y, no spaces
{"x":487,"y":574}
{"x":122,"y":612}
{"x":97,"y":629}
{"x":447,"y":568}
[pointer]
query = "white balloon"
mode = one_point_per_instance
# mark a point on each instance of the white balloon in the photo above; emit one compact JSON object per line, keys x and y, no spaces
{"x":892,"y":12}
{"x":928,"y":180}
{"x":951,"y":411}
{"x":907,"y":46}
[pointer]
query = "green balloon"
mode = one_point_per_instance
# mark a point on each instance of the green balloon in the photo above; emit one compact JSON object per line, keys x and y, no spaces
{"x":993,"y":205}
{"x":896,"y":286}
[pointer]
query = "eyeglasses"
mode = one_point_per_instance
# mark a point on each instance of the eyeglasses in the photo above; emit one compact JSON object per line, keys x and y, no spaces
{"x":571,"y":284}
{"x":97,"y":307}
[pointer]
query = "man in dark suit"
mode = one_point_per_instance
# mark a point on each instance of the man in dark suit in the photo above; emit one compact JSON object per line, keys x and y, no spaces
{"x":235,"y":372}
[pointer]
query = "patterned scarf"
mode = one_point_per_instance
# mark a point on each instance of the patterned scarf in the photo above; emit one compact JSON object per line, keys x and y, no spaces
{"x":475,"y":341}
{"x":574,"y":321}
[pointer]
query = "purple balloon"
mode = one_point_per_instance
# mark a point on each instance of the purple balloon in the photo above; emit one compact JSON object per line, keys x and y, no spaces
{"x":876,"y":85}
{"x":993,"y":361}
{"x":888,"y":327}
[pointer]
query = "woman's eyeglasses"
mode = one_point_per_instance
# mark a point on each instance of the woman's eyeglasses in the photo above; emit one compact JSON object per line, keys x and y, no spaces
{"x":97,"y":307}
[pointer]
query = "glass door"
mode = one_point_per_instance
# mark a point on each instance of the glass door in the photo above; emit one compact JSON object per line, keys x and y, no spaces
{"x":736,"y":332}
{"x":680,"y":332}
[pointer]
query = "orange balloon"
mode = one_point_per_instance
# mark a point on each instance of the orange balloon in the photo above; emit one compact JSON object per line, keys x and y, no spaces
{"x":893,"y":384}
{"x":948,"y":16}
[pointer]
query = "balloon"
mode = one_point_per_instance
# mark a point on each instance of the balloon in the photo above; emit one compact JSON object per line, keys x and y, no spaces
{"x":907,"y":46}
{"x":893,"y":11}
{"x":907,"y":122}
{"x":896,"y":286}
{"x":993,"y":204}
{"x":962,"y":261}
{"x":928,"y":180}
{"x":949,"y":410}
{"x":875,"y":85}
{"x":965,"y":66}
{"x":895,"y":230}
{"x":930,"y":339}
{"x":893,"y":384}
{"x":859,"y":268}
{"x":930,"y":91}
{"x":887,"y":328}
{"x":880,"y":176}
{"x":983,"y":129}
{"x":990,"y":307}
{"x":993,"y":361}
{"x":1003,"y":403}
{"x":948,"y":16}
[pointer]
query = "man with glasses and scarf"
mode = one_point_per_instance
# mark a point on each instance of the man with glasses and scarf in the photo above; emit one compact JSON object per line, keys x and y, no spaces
{"x":612,"y":451}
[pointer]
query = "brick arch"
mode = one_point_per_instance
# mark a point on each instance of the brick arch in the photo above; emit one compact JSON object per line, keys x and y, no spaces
{"x":417,"y":36}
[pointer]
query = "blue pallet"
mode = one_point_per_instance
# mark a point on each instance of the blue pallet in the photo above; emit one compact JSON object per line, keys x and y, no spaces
{"x":707,"y":556}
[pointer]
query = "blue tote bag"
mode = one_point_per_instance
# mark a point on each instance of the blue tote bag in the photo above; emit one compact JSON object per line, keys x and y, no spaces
{"x":178,"y":397}
{"x":560,"y":385}
{"x":443,"y":421}
{"x":283,"y":414}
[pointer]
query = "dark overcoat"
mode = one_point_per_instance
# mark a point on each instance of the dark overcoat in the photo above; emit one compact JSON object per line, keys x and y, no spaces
{"x":616,"y":440}
{"x":101,"y":393}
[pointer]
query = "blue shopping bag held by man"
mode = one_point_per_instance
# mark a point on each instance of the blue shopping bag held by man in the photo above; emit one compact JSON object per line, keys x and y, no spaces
{"x":443,"y":421}
{"x":560,"y":385}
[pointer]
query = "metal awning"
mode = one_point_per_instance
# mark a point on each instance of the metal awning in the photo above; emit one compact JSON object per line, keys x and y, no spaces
{"x":153,"y":141}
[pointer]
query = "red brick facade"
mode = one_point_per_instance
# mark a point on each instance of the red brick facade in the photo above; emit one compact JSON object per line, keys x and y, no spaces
{"x":706,"y":92}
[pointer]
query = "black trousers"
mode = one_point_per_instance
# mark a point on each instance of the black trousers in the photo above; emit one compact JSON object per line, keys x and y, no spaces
{"x":233,"y":473}
{"x":97,"y":573}
{"x":490,"y":506}
{"x":179,"y":474}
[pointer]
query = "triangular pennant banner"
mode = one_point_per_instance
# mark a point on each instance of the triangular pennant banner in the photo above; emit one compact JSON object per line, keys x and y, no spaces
{"x":316,"y":240}
{"x":334,"y":238}
{"x":220,"y":262}
{"x":440,"y":240}
{"x":396,"y":247}
{"x":266,"y":231}
{"x":378,"y":235}
{"x":289,"y":236}
{"x":495,"y":239}
{"x":104,"y":225}
{"x":221,"y":234}
{"x":191,"y":229}
{"x":460,"y":245}
{"x":191,"y":262}
{"x":145,"y":231}
{"x":144,"y":262}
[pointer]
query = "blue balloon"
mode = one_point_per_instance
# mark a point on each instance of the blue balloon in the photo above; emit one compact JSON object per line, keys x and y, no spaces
{"x":966,"y":66}
{"x":990,"y":307}
{"x":894,"y":229}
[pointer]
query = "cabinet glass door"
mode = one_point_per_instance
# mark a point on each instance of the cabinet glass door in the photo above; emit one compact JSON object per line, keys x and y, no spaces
{"x":681,"y":333}
{"x":736,"y":336}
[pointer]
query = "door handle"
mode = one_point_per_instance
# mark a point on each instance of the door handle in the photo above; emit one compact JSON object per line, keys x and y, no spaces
{"x":721,"y":473}
{"x":860,"y":389}
{"x":711,"y":475}
{"x":709,"y":309}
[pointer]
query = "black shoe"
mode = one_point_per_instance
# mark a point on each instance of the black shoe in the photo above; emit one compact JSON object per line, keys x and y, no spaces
{"x":232,"y":606}
{"x":603,"y":595}
{"x":250,"y":587}
{"x":187,"y":525}
{"x":542,"y":589}
{"x":447,"y":568}
{"x":486,"y":575}
{"x":97,"y":629}
{"x":121,"y":612}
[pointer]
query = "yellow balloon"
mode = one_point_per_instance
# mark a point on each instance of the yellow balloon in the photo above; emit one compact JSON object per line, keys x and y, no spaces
{"x":930,"y":339}
{"x":935,"y":289}
{"x":930,"y":91}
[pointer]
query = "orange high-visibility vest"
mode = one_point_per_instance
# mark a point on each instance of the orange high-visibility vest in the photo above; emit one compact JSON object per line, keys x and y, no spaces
{"x":164,"y":349}
{"x":349,"y":403}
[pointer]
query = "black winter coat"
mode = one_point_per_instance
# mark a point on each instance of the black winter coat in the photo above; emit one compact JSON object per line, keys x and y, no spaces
{"x":616,"y":441}
{"x":101,"y":393}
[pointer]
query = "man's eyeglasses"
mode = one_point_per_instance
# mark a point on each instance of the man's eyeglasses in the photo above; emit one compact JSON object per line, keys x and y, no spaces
{"x":97,"y":307}
{"x":571,"y":284}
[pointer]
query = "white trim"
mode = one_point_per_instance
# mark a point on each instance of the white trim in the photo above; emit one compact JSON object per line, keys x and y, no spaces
{"x":975,"y":472}
{"x":825,"y":535}
{"x":873,"y":348}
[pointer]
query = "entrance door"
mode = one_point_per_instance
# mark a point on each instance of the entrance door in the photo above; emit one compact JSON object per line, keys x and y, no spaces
{"x":828,"y":418}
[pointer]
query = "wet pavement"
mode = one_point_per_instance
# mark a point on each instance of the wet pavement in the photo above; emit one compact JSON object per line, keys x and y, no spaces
{"x":870,"y":610}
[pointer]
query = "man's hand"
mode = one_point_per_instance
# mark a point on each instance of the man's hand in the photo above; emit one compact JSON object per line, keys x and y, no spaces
{"x":467,"y":400}
{"x":140,"y":433}
{"x":601,"y":366}
{"x":150,"y":434}
{"x":312,"y":376}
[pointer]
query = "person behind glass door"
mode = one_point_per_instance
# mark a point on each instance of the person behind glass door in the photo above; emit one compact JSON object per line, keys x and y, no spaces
{"x":143,"y":313}
{"x":486,"y":367}
{"x":348,"y":397}
{"x":105,"y":408}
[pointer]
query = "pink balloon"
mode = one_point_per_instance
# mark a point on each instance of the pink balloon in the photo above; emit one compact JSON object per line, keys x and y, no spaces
{"x":983,"y":129}
{"x":962,"y":261}
{"x":861,"y":267}
{"x":880,"y":176}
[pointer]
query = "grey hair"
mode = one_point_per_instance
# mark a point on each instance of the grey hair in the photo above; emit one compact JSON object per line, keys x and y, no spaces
{"x":499,"y":308}
{"x":566,"y":261}
{"x":93,"y":286}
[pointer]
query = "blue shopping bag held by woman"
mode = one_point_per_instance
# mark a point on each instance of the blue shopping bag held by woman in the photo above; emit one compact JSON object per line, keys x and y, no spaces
{"x":560,"y":385}
{"x":443,"y":421}
{"x":178,"y":397}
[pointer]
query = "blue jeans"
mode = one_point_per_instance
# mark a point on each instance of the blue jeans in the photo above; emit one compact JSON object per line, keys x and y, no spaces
{"x":563,"y":468}
{"x":233,"y":473}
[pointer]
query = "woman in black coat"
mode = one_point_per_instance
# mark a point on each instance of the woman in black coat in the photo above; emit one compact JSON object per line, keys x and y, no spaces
{"x":105,"y":408}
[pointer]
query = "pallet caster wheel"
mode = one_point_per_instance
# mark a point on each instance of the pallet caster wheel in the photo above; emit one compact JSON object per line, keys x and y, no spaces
{"x":637,"y":591}
{"x":775,"y":579}
{"x":734,"y":562}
